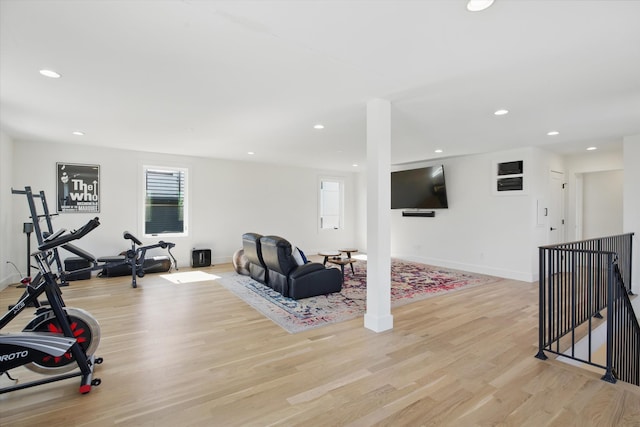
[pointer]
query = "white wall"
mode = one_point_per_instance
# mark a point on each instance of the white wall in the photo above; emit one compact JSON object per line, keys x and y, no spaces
{"x":7,"y":273}
{"x":481,"y":231}
{"x":227,"y":198}
{"x":631,"y":204}
{"x":543,"y":163}
{"x":577,"y":165}
{"x":602,"y":204}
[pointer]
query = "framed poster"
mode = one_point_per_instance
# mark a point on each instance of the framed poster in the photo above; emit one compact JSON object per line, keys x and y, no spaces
{"x":78,"y":188}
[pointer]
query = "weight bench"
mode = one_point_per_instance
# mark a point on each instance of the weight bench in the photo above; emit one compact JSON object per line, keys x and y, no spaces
{"x":132,"y":261}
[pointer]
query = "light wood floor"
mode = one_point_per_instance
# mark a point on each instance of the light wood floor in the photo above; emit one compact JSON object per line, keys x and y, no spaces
{"x":194,"y":354}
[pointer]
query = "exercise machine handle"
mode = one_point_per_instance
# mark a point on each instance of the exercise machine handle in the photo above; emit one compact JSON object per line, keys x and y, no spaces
{"x":130,"y":236}
{"x":73,"y":235}
{"x":165,"y":245}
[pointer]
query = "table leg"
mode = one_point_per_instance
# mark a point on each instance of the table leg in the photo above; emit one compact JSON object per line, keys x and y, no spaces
{"x":352,"y":271}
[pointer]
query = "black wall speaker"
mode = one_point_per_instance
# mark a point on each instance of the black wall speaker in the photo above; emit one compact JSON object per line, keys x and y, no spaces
{"x":510,"y":168}
{"x":510,"y":184}
{"x":429,"y":214}
{"x":201,"y":258}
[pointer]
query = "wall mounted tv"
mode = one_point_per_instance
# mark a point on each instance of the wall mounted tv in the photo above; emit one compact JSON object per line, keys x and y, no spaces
{"x":423,"y":188}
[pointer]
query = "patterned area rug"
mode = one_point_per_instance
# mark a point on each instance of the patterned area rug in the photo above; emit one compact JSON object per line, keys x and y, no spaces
{"x":410,"y":282}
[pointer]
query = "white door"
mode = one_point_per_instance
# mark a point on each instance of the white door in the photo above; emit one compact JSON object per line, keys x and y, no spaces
{"x":556,"y":209}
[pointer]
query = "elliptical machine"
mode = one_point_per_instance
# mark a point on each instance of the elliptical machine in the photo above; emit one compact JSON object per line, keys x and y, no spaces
{"x":59,"y":338}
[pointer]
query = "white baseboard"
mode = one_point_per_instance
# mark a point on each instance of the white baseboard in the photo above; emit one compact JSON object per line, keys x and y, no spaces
{"x":9,"y":280}
{"x":378,"y":323}
{"x":473,"y":268}
{"x":221,"y":260}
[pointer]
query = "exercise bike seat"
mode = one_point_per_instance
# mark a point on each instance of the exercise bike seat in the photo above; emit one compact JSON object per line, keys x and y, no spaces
{"x":131,"y":237}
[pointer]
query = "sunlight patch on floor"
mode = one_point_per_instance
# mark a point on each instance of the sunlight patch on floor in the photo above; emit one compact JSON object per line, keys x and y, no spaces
{"x":189,"y":277}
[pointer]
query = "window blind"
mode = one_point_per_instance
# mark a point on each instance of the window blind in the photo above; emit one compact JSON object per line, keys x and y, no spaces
{"x":164,"y":201}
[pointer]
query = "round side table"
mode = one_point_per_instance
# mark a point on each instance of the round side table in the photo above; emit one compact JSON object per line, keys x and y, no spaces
{"x":327,"y":254}
{"x":349,"y":251}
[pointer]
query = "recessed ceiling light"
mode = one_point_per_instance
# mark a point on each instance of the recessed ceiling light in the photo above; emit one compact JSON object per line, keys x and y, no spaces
{"x":77,"y":132}
{"x":592,"y":148}
{"x":478,"y":5}
{"x":553,"y":133}
{"x":50,"y":73}
{"x":251,"y":153}
{"x":501,"y":112}
{"x":438,"y":150}
{"x":355,"y":165}
{"x":318,"y":126}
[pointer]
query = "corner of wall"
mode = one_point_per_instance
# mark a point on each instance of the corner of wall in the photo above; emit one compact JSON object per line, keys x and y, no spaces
{"x":631,"y":201}
{"x":6,"y":208}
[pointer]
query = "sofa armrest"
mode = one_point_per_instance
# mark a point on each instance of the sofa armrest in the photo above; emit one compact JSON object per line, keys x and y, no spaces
{"x":306,"y":269}
{"x":314,"y":280}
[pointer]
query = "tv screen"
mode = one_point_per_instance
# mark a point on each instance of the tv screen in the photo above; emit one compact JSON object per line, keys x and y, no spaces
{"x":423,"y":188}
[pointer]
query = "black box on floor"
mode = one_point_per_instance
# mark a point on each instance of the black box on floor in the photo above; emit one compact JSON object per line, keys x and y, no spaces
{"x":77,"y":263}
{"x":201,"y":258}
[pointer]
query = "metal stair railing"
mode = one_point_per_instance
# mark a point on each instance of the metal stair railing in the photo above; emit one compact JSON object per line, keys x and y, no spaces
{"x":579,"y":281}
{"x":623,"y":335}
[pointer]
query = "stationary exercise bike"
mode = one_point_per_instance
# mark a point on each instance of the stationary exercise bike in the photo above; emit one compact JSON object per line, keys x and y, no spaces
{"x":59,"y":338}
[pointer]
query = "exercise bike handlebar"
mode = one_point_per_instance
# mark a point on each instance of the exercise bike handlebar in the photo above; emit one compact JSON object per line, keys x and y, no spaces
{"x":73,"y":235}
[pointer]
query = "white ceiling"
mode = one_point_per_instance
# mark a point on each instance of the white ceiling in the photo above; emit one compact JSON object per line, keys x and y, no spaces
{"x":221,"y":78}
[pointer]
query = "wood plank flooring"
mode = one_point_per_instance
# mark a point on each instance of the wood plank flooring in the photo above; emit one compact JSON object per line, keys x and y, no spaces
{"x":193,"y":354}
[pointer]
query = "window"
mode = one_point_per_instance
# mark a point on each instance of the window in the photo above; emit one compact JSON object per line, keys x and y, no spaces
{"x":331,"y":211}
{"x":165,"y":201}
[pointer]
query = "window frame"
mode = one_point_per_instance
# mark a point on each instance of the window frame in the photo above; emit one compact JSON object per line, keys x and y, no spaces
{"x":185,"y":199}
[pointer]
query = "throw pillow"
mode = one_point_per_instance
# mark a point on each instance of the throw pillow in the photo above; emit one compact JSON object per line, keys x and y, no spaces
{"x":296,"y":256}
{"x":304,"y":258}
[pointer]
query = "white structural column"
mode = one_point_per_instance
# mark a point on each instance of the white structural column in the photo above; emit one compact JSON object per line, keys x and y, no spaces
{"x":378,"y":317}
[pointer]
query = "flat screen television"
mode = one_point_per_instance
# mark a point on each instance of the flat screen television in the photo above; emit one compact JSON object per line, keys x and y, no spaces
{"x":422,"y":188}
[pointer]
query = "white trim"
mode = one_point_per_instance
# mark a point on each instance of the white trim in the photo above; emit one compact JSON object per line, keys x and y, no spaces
{"x":340,"y":180}
{"x":495,"y":178}
{"x":523,"y":276}
{"x":142,"y":196}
